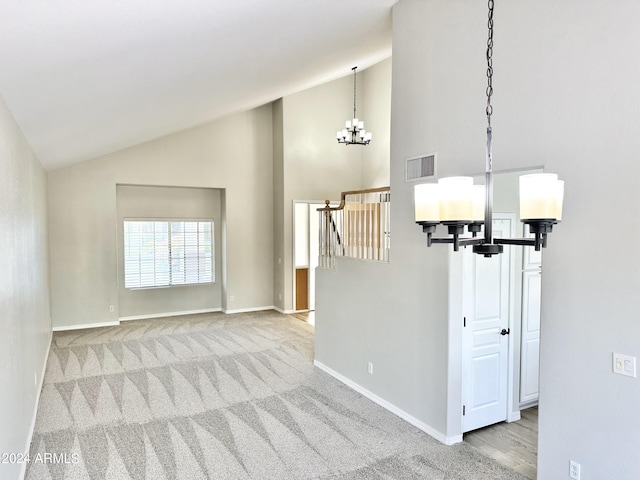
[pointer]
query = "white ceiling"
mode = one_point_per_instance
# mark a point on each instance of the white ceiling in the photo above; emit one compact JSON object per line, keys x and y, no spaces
{"x":87,"y":77}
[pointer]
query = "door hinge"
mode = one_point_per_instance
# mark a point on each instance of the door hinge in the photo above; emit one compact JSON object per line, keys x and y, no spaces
{"x":464,"y":410}
{"x":464,"y":321}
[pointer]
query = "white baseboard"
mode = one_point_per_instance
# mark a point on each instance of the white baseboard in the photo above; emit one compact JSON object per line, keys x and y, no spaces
{"x":168,"y":314}
{"x":86,"y":325}
{"x":441,"y":437}
{"x":286,"y":312}
{"x":165,"y":314}
{"x":246,"y":310}
{"x":35,"y":408}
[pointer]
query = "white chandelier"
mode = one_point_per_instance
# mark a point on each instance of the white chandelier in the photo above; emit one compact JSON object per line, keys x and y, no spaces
{"x":354,"y":132}
{"x":457,"y":203}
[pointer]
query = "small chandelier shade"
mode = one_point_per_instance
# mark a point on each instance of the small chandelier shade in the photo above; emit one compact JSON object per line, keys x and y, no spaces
{"x":353,"y":132}
{"x":456,"y":202}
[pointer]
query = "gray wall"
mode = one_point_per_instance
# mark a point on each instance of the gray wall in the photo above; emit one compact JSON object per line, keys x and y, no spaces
{"x":234,"y":154}
{"x":376,"y":98}
{"x":566,"y":98}
{"x":24,"y":288}
{"x":134,"y":201}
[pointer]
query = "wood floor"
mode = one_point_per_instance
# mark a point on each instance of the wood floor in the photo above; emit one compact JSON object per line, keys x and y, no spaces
{"x":514,"y":445}
{"x":309,"y":317}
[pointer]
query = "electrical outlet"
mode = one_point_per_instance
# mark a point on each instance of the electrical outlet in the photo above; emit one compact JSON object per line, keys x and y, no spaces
{"x":574,"y":470}
{"x":35,"y":379}
{"x":232,"y":298}
{"x":279,"y":296}
{"x":112,"y":308}
{"x":370,"y":368}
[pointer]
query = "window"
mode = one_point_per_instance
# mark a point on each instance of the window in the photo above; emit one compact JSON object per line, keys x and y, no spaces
{"x":159,"y":253}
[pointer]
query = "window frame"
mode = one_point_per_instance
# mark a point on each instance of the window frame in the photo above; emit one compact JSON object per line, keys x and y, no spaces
{"x":168,"y":221}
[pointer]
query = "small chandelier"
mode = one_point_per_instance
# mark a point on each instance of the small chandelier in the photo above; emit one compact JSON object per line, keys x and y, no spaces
{"x":456,"y":203}
{"x":354,"y":132}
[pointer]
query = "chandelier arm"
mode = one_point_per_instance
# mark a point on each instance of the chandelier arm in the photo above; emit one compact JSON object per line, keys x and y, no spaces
{"x":530,"y":242}
{"x":538,"y":242}
{"x":471,"y":241}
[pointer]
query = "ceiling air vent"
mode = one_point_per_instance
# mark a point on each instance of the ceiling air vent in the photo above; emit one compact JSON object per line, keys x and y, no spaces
{"x":421,"y":167}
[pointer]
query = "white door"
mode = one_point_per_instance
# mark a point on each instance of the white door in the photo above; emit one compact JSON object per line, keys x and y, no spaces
{"x":487,"y":287}
{"x":530,"y":346}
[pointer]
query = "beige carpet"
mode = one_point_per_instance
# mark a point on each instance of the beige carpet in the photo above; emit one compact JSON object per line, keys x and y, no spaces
{"x":221,"y":397}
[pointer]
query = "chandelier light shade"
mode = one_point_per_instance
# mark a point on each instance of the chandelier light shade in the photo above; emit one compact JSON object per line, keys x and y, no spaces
{"x":456,"y":202}
{"x":353,"y":132}
{"x":427,"y":198}
{"x":456,"y":199}
{"x":541,"y":196}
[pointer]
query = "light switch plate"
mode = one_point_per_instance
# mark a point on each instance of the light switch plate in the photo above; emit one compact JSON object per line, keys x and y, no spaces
{"x":624,"y":365}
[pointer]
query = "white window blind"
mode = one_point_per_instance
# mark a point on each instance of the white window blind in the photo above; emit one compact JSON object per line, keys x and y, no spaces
{"x":159,"y":253}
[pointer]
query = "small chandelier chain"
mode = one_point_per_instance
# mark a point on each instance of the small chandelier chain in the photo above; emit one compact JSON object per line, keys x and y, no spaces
{"x":354,"y":92}
{"x":489,"y":91}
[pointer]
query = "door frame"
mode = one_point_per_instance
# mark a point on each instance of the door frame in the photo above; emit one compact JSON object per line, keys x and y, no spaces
{"x":469,"y":296}
{"x":456,"y":315}
{"x":531,"y":263}
{"x":293,"y":248}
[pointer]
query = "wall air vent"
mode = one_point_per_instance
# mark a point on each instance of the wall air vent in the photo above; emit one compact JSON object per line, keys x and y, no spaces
{"x":420,"y":167}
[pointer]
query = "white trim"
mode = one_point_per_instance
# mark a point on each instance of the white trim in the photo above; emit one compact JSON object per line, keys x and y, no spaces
{"x":441,"y":437}
{"x":168,"y":314}
{"x":23,"y":470}
{"x":252,"y":309}
{"x":529,"y":404}
{"x":513,"y":416}
{"x":286,"y":312}
{"x":86,"y":325}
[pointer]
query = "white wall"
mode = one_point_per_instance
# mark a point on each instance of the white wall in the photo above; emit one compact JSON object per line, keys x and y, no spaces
{"x":567,"y":97}
{"x":24,"y":288}
{"x":234,"y":154}
{"x":135,"y":201}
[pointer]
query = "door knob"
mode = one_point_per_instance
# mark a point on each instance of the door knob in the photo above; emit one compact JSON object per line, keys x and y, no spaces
{"x":505,"y":332}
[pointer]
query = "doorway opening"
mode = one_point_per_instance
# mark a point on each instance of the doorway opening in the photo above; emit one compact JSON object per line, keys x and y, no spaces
{"x":305,"y":255}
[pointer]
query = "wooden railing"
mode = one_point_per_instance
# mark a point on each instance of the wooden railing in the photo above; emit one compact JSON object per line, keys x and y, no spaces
{"x":358,"y":228}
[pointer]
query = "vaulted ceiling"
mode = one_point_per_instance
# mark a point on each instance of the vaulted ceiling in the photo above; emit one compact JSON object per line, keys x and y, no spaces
{"x":87,"y":77}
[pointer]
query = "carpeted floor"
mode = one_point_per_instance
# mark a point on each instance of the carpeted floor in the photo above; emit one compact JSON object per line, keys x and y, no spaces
{"x":221,"y":397}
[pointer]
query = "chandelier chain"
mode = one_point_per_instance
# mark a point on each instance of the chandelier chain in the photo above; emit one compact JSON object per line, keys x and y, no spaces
{"x":489,"y":92}
{"x":354,"y":92}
